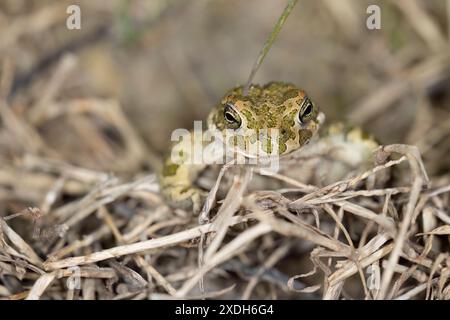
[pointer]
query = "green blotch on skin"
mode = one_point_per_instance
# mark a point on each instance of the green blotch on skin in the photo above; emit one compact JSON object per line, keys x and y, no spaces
{"x":170,"y":169}
{"x":185,"y":190}
{"x":291,"y":94}
{"x":286,"y":133}
{"x":282,"y":148}
{"x":267,"y":145}
{"x":282,"y":108}
{"x":289,"y":119}
{"x":365,"y":135}
{"x":303,"y":136}
{"x":251,"y":122}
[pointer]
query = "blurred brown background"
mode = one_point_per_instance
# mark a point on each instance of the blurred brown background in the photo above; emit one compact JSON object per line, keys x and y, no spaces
{"x":168,"y":61}
{"x":76,"y":105}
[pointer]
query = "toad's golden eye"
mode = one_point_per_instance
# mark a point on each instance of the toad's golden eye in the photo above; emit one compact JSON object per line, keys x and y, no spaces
{"x":231,"y":116}
{"x":306,"y":110}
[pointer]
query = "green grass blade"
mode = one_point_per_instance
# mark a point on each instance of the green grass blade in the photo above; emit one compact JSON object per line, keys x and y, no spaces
{"x":268,"y":44}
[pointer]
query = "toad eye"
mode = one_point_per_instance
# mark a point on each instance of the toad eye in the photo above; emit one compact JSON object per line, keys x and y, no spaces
{"x":306,"y":110}
{"x":231,"y":116}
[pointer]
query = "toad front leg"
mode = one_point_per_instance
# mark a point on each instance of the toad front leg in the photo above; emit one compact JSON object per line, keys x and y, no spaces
{"x":178,"y":176}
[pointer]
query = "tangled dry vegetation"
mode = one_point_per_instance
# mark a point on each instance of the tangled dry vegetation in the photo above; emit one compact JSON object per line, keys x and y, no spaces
{"x":81,"y":216}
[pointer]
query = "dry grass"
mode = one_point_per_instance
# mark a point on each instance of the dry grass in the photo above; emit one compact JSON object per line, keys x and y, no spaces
{"x":80,"y":205}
